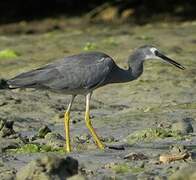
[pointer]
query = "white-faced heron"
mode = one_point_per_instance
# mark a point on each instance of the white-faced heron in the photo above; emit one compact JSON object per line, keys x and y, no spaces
{"x":83,"y":73}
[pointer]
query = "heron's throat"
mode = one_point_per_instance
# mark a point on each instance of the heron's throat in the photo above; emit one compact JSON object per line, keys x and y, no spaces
{"x":136,"y":68}
{"x":119,"y":75}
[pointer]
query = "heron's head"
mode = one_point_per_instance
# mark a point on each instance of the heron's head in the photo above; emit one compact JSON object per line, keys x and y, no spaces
{"x":150,"y":52}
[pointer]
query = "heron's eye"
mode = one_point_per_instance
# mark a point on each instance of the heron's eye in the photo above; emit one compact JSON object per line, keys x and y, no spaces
{"x":156,"y":53}
{"x":153,"y":50}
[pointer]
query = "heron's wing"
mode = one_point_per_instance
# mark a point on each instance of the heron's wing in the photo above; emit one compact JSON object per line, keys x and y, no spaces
{"x":83,"y":71}
{"x":82,"y":76}
{"x":33,"y":78}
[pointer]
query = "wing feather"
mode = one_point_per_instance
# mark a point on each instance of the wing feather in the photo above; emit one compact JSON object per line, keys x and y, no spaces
{"x":84,"y":71}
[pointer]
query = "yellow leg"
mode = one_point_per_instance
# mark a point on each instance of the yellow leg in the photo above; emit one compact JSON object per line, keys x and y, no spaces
{"x":66,"y":123}
{"x":89,"y":124}
{"x":90,"y":127}
{"x":67,"y":132}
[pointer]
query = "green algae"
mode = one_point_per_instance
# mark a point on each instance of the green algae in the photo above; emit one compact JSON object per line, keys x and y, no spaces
{"x":151,"y":134}
{"x":125,"y":168}
{"x":34,"y":148}
{"x":28,"y":148}
{"x":186,"y":106}
{"x":89,"y":46}
{"x":8,"y":54}
{"x":110,"y":41}
{"x":145,"y":37}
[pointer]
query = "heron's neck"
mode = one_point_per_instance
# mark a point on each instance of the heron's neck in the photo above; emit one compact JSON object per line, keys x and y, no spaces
{"x":119,"y":75}
{"x":135,"y":63}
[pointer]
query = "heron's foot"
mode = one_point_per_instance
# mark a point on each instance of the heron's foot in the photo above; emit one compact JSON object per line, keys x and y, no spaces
{"x":100,"y":145}
{"x":67,"y":132}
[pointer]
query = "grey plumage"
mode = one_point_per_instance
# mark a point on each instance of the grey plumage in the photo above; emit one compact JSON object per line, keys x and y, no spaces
{"x":72,"y":74}
{"x":84,"y":72}
{"x":81,"y":74}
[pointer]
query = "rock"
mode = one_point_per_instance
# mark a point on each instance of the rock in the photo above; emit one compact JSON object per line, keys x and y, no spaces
{"x":184,"y":126}
{"x":49,"y":167}
{"x":42,"y":132}
{"x":54,"y":140}
{"x":84,"y":138}
{"x":7,"y":129}
{"x":51,"y":139}
{"x":7,"y":143}
{"x":3,"y":83}
{"x":187,"y":172}
{"x":8,"y":137}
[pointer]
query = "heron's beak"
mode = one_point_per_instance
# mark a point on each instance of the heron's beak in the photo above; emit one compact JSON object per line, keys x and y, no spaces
{"x":165,"y":58}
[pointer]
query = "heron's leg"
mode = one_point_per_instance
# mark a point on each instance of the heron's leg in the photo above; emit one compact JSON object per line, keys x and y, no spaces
{"x":89,"y":124}
{"x":67,"y":121}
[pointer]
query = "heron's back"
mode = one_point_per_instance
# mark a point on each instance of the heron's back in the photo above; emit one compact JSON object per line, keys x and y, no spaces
{"x":73,"y":74}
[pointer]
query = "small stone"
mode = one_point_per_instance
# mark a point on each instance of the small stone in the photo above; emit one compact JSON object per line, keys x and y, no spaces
{"x":136,"y":156}
{"x":3,"y":103}
{"x":109,"y":139}
{"x":43,"y":131}
{"x":18,"y":101}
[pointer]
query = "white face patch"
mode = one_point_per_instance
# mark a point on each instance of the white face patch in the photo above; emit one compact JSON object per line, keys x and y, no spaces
{"x":153,"y":50}
{"x":152,"y":54}
{"x":102,"y":59}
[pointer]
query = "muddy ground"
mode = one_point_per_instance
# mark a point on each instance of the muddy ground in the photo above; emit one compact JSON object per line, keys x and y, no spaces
{"x":163,"y":95}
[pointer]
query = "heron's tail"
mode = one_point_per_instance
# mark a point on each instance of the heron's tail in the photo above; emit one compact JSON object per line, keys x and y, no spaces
{"x":4,"y":84}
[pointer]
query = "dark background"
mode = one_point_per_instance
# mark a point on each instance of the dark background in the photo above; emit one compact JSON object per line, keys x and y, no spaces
{"x":17,"y":10}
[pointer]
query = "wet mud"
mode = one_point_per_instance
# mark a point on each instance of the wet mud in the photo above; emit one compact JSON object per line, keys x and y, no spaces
{"x":146,"y":117}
